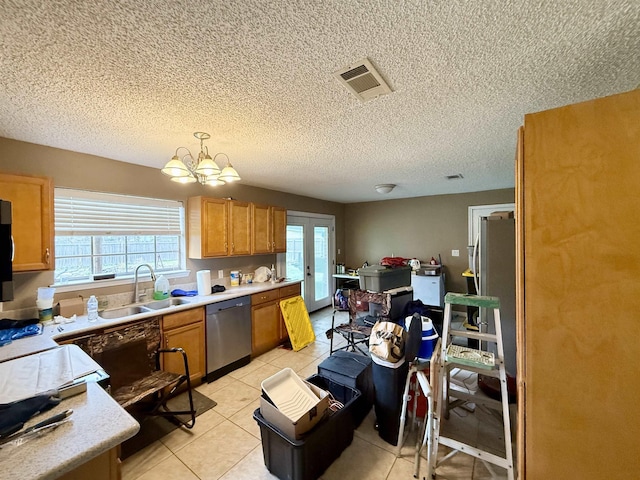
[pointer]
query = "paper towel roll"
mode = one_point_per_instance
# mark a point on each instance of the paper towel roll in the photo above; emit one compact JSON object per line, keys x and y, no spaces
{"x":203,"y":277}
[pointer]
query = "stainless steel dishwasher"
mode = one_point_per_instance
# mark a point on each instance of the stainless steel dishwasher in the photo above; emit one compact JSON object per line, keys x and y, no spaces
{"x":228,"y":336}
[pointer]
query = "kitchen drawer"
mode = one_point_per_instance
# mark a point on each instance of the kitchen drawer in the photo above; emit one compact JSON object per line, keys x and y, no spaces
{"x":182,"y":318}
{"x":263,"y":297}
{"x":290,"y":291}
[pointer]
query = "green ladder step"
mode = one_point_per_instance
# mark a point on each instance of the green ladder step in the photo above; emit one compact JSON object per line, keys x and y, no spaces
{"x":472,"y":300}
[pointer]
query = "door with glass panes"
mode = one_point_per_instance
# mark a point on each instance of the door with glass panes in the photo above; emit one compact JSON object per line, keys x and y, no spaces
{"x":310,"y":257}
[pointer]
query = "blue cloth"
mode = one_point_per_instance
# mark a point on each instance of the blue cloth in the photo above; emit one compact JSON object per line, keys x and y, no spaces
{"x":9,"y":334}
{"x":183,"y":293}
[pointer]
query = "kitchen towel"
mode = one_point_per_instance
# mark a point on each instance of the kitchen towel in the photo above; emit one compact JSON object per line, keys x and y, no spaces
{"x":203,"y":279}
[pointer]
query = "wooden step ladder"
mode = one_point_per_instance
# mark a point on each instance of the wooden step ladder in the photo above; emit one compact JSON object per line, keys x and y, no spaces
{"x":447,"y":363}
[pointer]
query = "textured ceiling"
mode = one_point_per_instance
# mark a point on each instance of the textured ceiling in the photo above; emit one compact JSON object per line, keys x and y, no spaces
{"x":132,"y":81}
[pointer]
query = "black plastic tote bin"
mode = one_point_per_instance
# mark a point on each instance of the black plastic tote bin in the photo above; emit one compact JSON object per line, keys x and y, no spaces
{"x":309,"y":457}
{"x":353,"y":370}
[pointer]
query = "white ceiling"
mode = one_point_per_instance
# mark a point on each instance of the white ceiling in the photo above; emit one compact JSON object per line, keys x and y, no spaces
{"x":132,"y":81}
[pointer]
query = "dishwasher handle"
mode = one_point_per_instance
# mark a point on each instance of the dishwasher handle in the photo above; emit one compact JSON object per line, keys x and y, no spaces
{"x":229,"y":304}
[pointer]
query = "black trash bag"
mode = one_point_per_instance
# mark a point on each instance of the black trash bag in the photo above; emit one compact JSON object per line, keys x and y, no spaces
{"x":436,"y":314}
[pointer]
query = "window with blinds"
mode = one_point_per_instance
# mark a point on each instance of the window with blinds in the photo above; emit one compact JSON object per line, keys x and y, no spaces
{"x":100,"y":234}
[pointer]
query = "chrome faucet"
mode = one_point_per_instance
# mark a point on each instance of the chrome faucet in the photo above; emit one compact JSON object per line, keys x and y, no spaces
{"x":137,"y":296}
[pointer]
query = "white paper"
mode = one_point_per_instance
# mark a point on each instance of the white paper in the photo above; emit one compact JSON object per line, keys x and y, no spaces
{"x":28,"y":376}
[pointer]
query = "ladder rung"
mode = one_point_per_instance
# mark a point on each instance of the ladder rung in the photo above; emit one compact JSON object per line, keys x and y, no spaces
{"x":489,"y":372}
{"x":485,"y":337}
{"x":476,"y":452}
{"x":472,"y":300}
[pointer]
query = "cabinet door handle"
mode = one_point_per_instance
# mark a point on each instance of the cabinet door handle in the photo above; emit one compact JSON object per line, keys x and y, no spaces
{"x":46,"y":256}
{"x":13,"y":248}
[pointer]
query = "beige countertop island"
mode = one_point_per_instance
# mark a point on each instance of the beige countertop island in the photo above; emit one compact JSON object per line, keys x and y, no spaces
{"x":86,"y":445}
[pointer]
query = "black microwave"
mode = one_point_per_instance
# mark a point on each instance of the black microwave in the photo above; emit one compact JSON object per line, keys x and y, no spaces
{"x":6,"y":252}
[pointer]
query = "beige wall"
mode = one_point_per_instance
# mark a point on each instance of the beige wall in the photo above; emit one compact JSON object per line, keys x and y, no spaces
{"x":77,"y":170}
{"x":421,"y":227}
{"x":417,"y":227}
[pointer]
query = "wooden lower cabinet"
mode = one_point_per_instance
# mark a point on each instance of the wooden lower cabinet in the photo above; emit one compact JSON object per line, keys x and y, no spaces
{"x":265,"y":321}
{"x":267,"y":324}
{"x":105,"y":466}
{"x":289,"y":291}
{"x":185,"y":329}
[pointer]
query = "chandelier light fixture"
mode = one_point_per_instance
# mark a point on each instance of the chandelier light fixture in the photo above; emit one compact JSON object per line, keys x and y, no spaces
{"x":204,"y":169}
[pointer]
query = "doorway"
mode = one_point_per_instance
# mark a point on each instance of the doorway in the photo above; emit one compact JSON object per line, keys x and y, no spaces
{"x":310,"y":256}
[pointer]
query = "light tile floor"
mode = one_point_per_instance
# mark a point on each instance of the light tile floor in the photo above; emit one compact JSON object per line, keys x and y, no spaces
{"x":225,"y":441}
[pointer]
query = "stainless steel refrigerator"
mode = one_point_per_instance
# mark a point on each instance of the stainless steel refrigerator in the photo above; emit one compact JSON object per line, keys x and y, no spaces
{"x":496,"y":276}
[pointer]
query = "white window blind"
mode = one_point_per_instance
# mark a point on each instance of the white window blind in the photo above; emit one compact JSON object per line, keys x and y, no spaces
{"x":79,"y":212}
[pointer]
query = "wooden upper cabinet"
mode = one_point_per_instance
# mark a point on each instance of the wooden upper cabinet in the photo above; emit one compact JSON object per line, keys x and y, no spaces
{"x":219,"y":228}
{"x":269,"y":229}
{"x":279,"y":232}
{"x":239,"y":228}
{"x":32,"y":220}
{"x":261,"y":229}
{"x":208,"y":227}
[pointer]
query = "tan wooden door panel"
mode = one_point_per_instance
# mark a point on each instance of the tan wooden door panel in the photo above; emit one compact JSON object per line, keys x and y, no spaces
{"x":580,"y":178}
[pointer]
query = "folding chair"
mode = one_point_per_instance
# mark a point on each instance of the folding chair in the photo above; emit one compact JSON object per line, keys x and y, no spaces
{"x":132,"y":358}
{"x":365,"y":308}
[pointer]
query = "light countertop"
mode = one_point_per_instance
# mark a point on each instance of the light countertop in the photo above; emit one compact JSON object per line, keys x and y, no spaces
{"x":51,"y":333}
{"x":98,"y":423}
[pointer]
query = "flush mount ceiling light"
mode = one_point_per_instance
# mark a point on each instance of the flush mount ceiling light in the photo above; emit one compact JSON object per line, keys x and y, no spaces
{"x":385,"y":188}
{"x":204,"y":169}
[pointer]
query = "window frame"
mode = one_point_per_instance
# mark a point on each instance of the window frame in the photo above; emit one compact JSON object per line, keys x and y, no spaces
{"x":157,"y":220}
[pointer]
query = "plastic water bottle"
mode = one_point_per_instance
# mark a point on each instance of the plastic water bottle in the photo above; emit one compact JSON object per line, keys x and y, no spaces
{"x":273,"y":274}
{"x":92,"y":309}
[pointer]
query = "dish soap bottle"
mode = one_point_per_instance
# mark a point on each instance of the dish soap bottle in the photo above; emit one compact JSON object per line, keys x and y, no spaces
{"x":161,"y":288}
{"x":92,"y":309}
{"x":273,"y":274}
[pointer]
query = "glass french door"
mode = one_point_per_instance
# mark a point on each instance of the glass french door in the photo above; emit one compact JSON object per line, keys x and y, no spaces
{"x":310,"y":256}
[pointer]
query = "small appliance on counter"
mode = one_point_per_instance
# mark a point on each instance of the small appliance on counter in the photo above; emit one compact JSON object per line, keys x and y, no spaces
{"x":428,"y":270}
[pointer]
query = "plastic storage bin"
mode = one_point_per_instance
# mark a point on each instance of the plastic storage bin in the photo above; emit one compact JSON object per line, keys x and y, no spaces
{"x":353,"y":370}
{"x":377,"y":278}
{"x":309,"y":457}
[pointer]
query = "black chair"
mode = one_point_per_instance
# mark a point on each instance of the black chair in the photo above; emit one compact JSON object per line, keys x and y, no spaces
{"x":365,"y":308}
{"x":132,"y":358}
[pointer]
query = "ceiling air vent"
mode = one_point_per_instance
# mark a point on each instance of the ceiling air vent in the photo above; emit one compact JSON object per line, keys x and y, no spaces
{"x":363,"y":80}
{"x":456,"y":176}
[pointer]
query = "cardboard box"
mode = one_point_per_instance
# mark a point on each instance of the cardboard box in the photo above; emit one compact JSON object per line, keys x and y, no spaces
{"x":296,"y":429}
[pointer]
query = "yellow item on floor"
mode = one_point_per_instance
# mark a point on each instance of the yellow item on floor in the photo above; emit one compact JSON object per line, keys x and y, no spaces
{"x":296,"y":319}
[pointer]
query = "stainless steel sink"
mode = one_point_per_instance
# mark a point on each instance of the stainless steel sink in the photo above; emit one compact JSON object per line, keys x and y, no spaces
{"x":123,"y":311}
{"x":166,"y":303}
{"x":144,"y":308}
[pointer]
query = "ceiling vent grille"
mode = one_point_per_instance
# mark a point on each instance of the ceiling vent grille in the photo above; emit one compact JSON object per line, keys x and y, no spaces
{"x":456,"y":176}
{"x":363,"y":80}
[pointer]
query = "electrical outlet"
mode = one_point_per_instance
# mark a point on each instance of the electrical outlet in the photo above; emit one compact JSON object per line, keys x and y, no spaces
{"x":455,"y":253}
{"x":338,"y":251}
{"x":220,"y":273}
